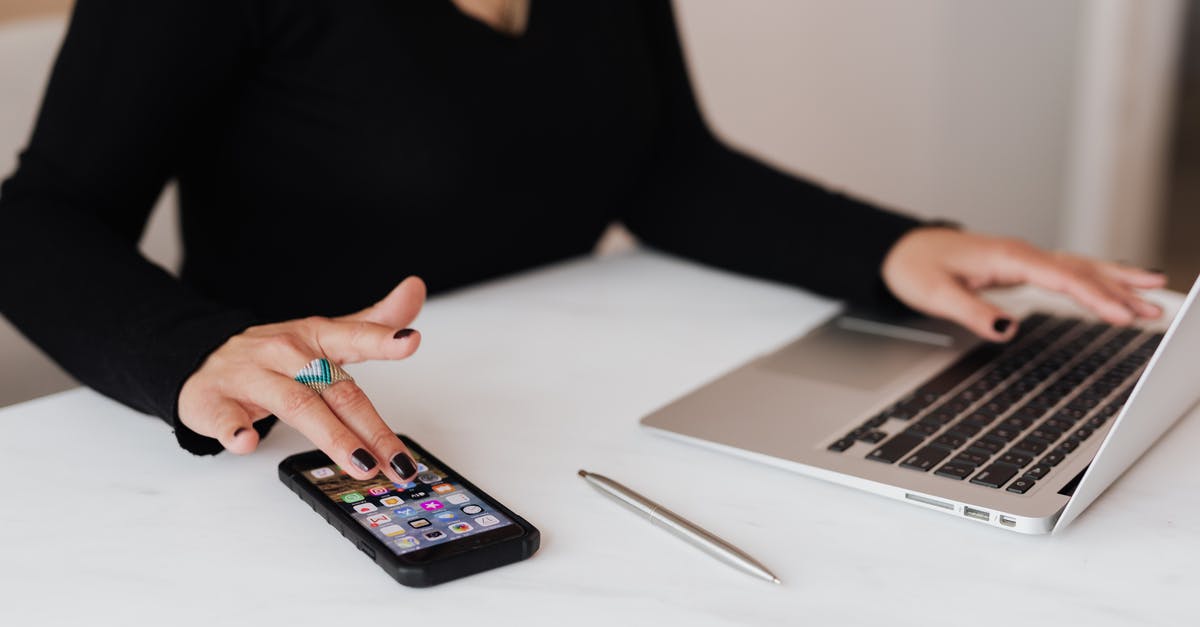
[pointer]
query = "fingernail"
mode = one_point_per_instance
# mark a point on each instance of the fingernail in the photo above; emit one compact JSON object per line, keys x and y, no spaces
{"x":363,"y":460}
{"x":404,"y":465}
{"x":239,"y":431}
{"x":402,"y":333}
{"x":1001,"y":325}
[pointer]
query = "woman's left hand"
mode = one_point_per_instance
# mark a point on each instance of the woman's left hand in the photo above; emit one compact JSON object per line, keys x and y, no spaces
{"x":938,"y":271}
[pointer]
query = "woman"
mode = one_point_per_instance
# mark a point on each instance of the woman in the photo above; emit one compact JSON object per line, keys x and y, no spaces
{"x":325,"y":149}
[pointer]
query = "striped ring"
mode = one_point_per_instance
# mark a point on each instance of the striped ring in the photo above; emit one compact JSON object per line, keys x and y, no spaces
{"x":320,"y":373}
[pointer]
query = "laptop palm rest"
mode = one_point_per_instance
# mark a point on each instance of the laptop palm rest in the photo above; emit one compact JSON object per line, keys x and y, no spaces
{"x":855,"y":357}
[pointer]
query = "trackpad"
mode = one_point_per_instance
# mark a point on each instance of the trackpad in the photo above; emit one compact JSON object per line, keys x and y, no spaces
{"x":849,"y":357}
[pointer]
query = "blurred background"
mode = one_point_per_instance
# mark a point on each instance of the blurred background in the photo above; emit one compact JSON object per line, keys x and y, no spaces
{"x":1074,"y":123}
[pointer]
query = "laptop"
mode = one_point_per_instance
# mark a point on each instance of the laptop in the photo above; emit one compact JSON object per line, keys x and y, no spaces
{"x":1022,"y":435}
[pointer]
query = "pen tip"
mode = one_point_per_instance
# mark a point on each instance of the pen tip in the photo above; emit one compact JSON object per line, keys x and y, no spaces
{"x":582,"y":473}
{"x":776,"y":581}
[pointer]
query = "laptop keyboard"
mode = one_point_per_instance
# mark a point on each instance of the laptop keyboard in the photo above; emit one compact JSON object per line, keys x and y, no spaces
{"x":1005,"y":415}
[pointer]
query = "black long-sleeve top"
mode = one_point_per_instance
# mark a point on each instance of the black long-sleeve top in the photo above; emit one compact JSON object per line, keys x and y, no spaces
{"x":395,"y":137}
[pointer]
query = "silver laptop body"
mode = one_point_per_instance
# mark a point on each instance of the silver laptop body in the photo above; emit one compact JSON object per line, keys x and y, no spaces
{"x":815,"y":405}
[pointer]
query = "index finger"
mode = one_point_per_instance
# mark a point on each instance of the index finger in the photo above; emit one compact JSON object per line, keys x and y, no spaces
{"x":352,"y":341}
{"x":1044,"y":270}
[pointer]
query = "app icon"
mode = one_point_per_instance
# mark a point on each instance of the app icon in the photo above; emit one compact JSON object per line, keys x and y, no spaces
{"x":322,"y":473}
{"x":455,"y":499}
{"x":378,"y":519}
{"x":460,"y":527}
{"x":445,"y":515}
{"x":471,"y":510}
{"x":429,"y":477}
{"x":393,"y":530}
{"x":404,"y":512}
{"x":487,"y":521}
{"x":407,"y":542}
{"x":352,"y":497}
{"x":378,"y":491}
{"x":436,"y":534}
{"x":390,"y":501}
{"x":421,"y":467}
{"x":431,"y":505}
{"x":443,"y":488}
{"x":417,"y":523}
{"x":405,"y":486}
{"x":365,"y":508}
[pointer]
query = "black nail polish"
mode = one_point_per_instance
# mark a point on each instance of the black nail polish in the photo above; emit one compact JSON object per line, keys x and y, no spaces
{"x":1001,"y":324}
{"x":404,"y":465}
{"x":402,"y":333}
{"x":363,"y":460}
{"x":239,"y":431}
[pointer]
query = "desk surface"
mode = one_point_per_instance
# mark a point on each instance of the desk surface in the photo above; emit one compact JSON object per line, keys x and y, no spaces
{"x":518,"y":384}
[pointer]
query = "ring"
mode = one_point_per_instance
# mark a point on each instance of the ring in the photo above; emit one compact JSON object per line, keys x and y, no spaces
{"x":320,"y":373}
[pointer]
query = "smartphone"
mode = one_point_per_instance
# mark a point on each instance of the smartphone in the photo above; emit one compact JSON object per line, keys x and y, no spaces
{"x":437,"y":528}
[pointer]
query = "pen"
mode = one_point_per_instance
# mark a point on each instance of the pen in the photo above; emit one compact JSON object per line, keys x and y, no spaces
{"x":660,"y":515}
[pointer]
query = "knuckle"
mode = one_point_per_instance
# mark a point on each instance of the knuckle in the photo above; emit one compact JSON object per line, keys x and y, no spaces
{"x":299,"y":400}
{"x":345,"y":395}
{"x":342,"y":442}
{"x":1015,"y":248}
{"x":383,"y":441}
{"x":283,"y":348}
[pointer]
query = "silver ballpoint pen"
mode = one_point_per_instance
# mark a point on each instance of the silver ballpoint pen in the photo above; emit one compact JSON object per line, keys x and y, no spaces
{"x":664,"y":517}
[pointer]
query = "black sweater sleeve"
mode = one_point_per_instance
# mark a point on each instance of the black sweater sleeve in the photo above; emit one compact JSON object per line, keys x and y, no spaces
{"x":703,"y":200}
{"x":133,"y":78}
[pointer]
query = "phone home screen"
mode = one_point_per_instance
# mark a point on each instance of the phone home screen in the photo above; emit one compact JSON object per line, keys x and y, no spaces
{"x":431,"y":510}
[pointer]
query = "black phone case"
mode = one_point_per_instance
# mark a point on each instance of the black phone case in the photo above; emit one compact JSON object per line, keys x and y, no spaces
{"x":426,"y":574}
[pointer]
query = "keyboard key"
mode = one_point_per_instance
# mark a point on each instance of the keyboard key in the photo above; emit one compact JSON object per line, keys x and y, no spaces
{"x":1061,"y":425}
{"x":1038,"y":472}
{"x":1019,"y":423}
{"x":841,"y":445}
{"x":895,"y":448}
{"x":1053,"y":458}
{"x":876,"y":421}
{"x":950,"y":440}
{"x":1004,"y":433}
{"x":965,"y":431}
{"x":1021,"y":486}
{"x":1046,"y":433}
{"x":995,"y":475}
{"x":955,"y":470}
{"x":873,"y":437}
{"x":926,"y":458}
{"x":1068,"y":446}
{"x":923,"y":429}
{"x":986,"y":444}
{"x":1083,"y":433}
{"x":1031,"y":446}
{"x":973,"y":456}
{"x":979,"y":419}
{"x":1016,"y":459}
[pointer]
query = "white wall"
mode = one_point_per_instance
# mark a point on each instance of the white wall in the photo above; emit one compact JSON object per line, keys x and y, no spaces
{"x":951,"y":108}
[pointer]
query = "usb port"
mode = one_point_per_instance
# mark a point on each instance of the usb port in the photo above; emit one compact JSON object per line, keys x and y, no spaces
{"x":977,"y":514}
{"x":1008,"y":522}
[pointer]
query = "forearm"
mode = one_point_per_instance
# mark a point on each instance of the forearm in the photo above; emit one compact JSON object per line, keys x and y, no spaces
{"x":114,"y":320}
{"x":718,"y":206}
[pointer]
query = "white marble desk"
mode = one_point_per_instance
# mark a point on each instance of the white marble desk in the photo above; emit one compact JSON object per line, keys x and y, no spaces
{"x":518,"y":384}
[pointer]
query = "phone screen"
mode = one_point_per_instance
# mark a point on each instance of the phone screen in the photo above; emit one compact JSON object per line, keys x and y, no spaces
{"x":435,"y":509}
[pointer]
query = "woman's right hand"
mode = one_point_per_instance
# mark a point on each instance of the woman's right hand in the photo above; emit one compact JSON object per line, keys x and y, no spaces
{"x":250,"y":377}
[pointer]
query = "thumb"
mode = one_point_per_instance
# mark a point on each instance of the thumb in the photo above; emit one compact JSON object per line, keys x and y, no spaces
{"x":954,"y":301}
{"x":398,"y":309}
